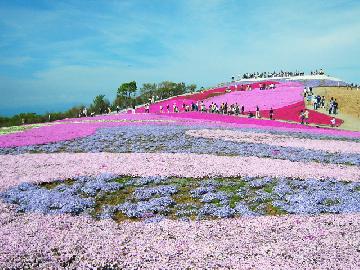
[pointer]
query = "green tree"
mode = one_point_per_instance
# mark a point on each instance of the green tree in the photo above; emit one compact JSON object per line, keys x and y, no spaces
{"x":191,"y":88}
{"x":127,"y":89}
{"x":99,"y":105}
{"x":73,"y":112}
{"x":179,"y":89}
{"x":124,"y":95}
{"x":148,"y":90}
{"x":122,"y":102}
{"x":166,"y":89}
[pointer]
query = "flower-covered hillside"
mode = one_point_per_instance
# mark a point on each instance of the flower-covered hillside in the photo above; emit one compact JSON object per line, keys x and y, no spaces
{"x":283,"y":95}
{"x":179,"y":190}
{"x":286,"y":100}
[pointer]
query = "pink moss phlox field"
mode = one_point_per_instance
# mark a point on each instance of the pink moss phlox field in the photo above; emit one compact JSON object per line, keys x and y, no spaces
{"x":286,"y":99}
{"x":282,"y":95}
{"x":285,"y":242}
{"x":80,"y":127}
{"x":332,"y":146}
{"x":39,"y":168}
{"x":51,"y":133}
{"x":243,"y":122}
{"x":292,"y":113}
{"x":189,"y":98}
{"x":70,"y":129}
{"x":116,"y":116}
{"x":178,"y":101}
{"x":221,"y":120}
{"x":61,"y":131}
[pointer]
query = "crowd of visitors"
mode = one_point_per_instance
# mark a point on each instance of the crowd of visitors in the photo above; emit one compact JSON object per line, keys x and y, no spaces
{"x":263,"y":86}
{"x":153,"y":99}
{"x":236,"y":109}
{"x":317,"y":72}
{"x":319,"y":102}
{"x":281,"y":73}
{"x":223,"y":108}
{"x":352,"y":86}
{"x":316,"y":101}
{"x":85,"y":113}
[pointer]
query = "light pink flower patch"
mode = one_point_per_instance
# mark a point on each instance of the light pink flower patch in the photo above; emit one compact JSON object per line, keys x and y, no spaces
{"x":118,"y":116}
{"x":16,"y":169}
{"x":70,"y":129}
{"x":282,"y":95}
{"x":243,"y":122}
{"x":285,"y":242}
{"x":332,"y":146}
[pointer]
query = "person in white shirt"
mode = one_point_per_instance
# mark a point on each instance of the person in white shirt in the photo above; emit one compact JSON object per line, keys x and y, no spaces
{"x":333,"y":122}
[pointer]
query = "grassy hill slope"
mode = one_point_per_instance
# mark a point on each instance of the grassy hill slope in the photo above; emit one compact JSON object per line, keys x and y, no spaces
{"x":349,"y":104}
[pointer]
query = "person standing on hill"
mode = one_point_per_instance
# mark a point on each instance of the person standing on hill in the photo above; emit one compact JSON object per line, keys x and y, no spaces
{"x":323,"y":102}
{"x":306,"y":117}
{"x":271,"y":114}
{"x":314,"y":101}
{"x":257,"y":114}
{"x":331,"y":105}
{"x":309,"y":98}
{"x":318,"y":102}
{"x":222,"y":108}
{"x":147,"y":108}
{"x":302,"y":117}
{"x":333,"y":122}
{"x":335,"y":106}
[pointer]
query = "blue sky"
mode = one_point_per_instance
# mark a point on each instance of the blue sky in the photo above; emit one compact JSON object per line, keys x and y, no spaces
{"x":56,"y":54}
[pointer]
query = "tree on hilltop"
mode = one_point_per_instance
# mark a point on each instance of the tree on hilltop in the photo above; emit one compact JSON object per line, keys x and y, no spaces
{"x":124,"y":92}
{"x":148,"y":90}
{"x":100,"y":104}
{"x":191,"y":88}
{"x":127,"y":89}
{"x":166,"y":89}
